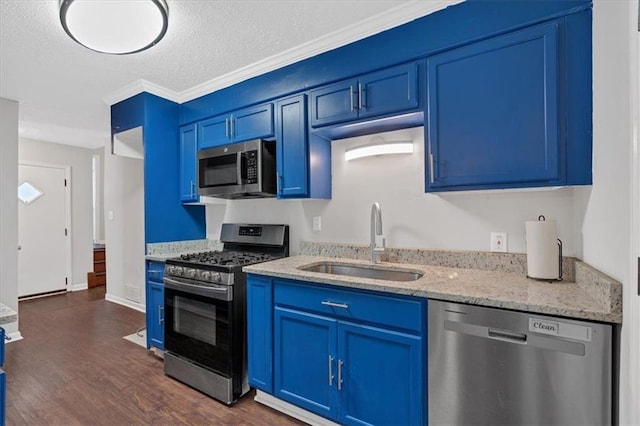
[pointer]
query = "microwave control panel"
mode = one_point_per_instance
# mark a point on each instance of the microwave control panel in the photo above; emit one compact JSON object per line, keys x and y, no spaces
{"x":252,"y":166}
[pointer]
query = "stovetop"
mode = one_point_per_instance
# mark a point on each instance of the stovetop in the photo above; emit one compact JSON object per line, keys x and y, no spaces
{"x":226,"y":258}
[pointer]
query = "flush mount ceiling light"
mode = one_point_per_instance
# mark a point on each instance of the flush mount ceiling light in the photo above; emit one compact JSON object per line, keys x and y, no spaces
{"x":117,"y":27}
{"x":379,"y":147}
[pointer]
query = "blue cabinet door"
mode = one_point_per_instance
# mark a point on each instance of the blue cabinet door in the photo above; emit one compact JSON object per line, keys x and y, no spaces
{"x":260,"y":332}
{"x":335,"y":103}
{"x":155,"y":305}
{"x":155,"y":315}
{"x":292,"y":146}
{"x":188,"y":164}
{"x":306,"y":361}
{"x":252,"y":123}
{"x":493,"y":113}
{"x":387,"y":91}
{"x":214,"y":131}
{"x":382,"y":376}
{"x":3,"y":397}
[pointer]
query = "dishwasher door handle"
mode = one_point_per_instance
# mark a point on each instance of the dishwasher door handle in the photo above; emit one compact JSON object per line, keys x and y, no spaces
{"x":507,"y":335}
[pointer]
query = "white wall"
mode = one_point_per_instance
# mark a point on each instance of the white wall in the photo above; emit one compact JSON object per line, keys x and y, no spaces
{"x":607,"y":229}
{"x":9,"y":207}
{"x":81,"y":195}
{"x":124,"y":234}
{"x":99,"y":213}
{"x":411,"y":218}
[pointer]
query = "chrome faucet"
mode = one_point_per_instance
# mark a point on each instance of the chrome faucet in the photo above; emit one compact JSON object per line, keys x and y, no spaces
{"x":376,"y":232}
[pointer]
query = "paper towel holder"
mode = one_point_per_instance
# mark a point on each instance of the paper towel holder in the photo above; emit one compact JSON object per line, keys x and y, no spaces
{"x":542,"y":218}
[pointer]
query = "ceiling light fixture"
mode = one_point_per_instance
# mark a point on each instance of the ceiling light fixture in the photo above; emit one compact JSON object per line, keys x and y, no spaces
{"x":379,"y":148}
{"x":117,"y":27}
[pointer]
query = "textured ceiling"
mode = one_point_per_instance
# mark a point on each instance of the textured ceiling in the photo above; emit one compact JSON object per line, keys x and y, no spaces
{"x":60,"y":84}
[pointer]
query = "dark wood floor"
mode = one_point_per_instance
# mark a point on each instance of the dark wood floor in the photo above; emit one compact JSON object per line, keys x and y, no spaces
{"x":74,"y":368}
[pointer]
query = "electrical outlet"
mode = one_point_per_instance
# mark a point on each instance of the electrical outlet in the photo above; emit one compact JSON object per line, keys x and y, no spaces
{"x":499,"y":242}
{"x":317,"y":223}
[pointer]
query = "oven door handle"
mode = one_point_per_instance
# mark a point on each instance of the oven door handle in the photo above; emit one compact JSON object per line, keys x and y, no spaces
{"x":219,"y":293}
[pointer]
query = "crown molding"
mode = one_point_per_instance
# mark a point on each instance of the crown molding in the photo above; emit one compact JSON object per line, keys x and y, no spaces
{"x":394,"y":17}
{"x":140,"y":86}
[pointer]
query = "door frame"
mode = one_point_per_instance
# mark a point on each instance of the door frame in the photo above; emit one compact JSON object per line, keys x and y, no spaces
{"x":67,"y":213}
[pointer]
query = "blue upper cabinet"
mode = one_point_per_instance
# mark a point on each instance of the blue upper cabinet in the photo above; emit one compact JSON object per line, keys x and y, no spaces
{"x":496,"y":113}
{"x":241,"y":125}
{"x":292,"y":147}
{"x":188,"y":164}
{"x":380,"y":93}
{"x":298,"y":176}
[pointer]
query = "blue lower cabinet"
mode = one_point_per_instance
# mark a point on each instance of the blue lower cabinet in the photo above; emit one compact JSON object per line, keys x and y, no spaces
{"x":336,"y":357}
{"x":3,"y":398}
{"x":3,"y":381}
{"x":260,"y":333}
{"x":155,"y":305}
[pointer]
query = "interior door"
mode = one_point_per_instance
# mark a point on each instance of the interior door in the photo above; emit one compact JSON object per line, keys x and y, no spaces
{"x":42,"y":233}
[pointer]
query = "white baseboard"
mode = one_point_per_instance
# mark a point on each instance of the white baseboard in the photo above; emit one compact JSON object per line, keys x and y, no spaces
{"x":291,"y":410}
{"x":13,"y":337}
{"x":78,"y":287}
{"x":124,"y":302}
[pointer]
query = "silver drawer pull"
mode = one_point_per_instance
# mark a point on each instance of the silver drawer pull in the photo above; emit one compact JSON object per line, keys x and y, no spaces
{"x":335,"y":305}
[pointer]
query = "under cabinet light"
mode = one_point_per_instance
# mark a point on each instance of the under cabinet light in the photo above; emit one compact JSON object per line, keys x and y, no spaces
{"x":115,"y":27}
{"x":398,"y":147}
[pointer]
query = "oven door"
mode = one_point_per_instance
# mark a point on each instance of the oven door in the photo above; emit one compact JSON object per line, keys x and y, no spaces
{"x":197,"y":323}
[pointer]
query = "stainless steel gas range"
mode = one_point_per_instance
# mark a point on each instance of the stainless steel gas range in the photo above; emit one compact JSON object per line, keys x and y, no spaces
{"x":205,"y":309}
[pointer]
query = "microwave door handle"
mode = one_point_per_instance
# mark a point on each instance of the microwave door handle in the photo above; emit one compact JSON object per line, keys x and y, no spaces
{"x":239,"y":168}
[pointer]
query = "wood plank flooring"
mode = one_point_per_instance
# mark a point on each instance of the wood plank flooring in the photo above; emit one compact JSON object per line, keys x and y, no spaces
{"x":74,"y":368}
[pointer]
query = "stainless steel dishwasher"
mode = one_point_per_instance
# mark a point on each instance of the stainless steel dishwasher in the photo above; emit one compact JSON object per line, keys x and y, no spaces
{"x":497,"y":367}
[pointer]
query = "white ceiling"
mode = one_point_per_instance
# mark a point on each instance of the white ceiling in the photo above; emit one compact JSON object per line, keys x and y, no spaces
{"x":64,"y":90}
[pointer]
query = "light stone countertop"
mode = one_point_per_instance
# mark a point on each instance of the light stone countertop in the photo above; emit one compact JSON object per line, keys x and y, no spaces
{"x":159,"y":252}
{"x":7,"y":314}
{"x":597,"y":297}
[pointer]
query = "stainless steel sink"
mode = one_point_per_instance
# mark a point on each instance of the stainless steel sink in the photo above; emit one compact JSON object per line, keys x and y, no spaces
{"x":363,"y":271}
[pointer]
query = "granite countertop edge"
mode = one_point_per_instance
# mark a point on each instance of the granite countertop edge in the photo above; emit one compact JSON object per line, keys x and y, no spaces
{"x":489,"y":288}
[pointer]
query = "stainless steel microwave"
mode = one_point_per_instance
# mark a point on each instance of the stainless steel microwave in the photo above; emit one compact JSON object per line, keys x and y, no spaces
{"x":239,"y":170}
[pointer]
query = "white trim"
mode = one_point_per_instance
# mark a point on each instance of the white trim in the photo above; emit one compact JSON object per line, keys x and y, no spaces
{"x":125,"y":302}
{"x":140,"y":86}
{"x":67,"y":219}
{"x":14,"y":337}
{"x":78,"y":287}
{"x":392,"y":18}
{"x":291,"y":410}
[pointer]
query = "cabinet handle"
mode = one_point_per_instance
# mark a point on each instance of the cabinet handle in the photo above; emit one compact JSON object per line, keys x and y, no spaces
{"x":335,"y":305}
{"x":359,"y":95}
{"x":340,"y":363}
{"x":226,"y":127}
{"x":431,"y":171}
{"x":330,"y":370}
{"x":351,"y":96}
{"x":233,"y":126}
{"x":160,"y":316}
{"x":278,"y":182}
{"x":192,"y":187}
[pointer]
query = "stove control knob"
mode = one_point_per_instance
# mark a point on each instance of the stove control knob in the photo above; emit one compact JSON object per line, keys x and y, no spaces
{"x":190,"y":273}
{"x":168,"y":270}
{"x":205,"y":276}
{"x":215,"y":277}
{"x":177,"y":271}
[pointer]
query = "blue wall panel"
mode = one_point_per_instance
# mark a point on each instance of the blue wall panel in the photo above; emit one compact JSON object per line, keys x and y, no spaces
{"x":464,"y":23}
{"x":166,"y":219}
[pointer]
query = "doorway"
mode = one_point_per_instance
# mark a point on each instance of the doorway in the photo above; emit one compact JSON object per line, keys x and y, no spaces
{"x":44,"y":229}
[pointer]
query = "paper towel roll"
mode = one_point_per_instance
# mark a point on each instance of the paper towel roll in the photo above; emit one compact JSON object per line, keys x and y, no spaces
{"x":543,"y":260}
